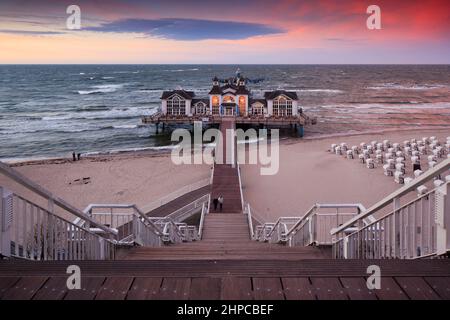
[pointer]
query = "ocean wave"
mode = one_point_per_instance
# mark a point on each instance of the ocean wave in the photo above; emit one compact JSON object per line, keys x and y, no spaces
{"x":396,"y":86}
{"x":115,"y":151}
{"x":114,"y":113}
{"x":321,"y":90}
{"x":126,"y":126}
{"x":181,"y":70}
{"x":104,"y":88}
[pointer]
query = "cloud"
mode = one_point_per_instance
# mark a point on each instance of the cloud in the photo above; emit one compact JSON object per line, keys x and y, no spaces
{"x":30,"y":33}
{"x":188,"y":29}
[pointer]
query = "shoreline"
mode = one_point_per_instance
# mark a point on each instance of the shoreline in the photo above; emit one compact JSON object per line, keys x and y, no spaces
{"x":166,"y":150}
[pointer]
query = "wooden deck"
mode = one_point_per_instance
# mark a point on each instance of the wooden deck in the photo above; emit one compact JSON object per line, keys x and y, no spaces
{"x":225,"y":179}
{"x":236,"y":280}
{"x":301,"y":120}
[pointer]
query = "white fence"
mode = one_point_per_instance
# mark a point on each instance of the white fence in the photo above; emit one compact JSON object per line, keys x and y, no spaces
{"x":312,"y":228}
{"x":417,"y":229}
{"x":31,"y":232}
{"x":176,"y":194}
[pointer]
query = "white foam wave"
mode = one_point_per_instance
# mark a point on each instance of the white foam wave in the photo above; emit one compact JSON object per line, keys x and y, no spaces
{"x":181,"y":70}
{"x":126,"y":126}
{"x":395,"y":86}
{"x":104,"y":88}
{"x":321,"y":90}
{"x":115,"y":113}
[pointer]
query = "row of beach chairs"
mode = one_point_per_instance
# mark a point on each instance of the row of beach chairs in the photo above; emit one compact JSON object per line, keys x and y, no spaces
{"x":393,"y":156}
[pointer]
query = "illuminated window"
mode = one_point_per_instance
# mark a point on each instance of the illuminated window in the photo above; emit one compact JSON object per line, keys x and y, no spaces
{"x":242,"y":103}
{"x":215,"y":101}
{"x":228,"y":99}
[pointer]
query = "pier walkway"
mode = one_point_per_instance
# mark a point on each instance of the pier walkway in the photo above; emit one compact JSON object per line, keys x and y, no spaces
{"x":226,"y":233}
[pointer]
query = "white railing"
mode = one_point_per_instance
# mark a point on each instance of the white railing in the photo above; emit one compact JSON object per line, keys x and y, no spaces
{"x":176,"y":194}
{"x":45,"y":215}
{"x":133,"y":226}
{"x":419,"y":228}
{"x":205,"y":211}
{"x":252,"y":218}
{"x":312,"y":228}
{"x":31,"y":232}
{"x":240,"y":187}
{"x":189,"y":209}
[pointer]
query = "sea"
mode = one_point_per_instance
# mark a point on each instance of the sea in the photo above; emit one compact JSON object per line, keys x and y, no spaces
{"x":53,"y":110}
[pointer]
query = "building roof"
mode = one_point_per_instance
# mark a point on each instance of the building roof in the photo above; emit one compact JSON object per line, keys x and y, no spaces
{"x":242,"y":90}
{"x":215,"y":90}
{"x":204,"y":100}
{"x":182,"y":93}
{"x":270,"y":95}
{"x":262,"y":101}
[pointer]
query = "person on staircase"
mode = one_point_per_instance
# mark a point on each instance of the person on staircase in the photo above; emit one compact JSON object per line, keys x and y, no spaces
{"x":220,"y":199}
{"x":215,"y":203}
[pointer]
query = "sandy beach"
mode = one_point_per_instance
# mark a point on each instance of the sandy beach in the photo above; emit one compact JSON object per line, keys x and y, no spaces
{"x":133,"y":179}
{"x":308,"y":174}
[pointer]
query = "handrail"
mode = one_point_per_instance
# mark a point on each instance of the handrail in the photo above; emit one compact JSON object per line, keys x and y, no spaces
{"x":396,"y":235}
{"x":429,"y":174}
{"x":30,"y":185}
{"x":156,"y":229}
{"x":285,"y":229}
{"x":205,"y":197}
{"x":53,"y":214}
{"x":240,"y":187}
{"x":205,"y":211}
{"x":311,"y":211}
{"x":176,"y":194}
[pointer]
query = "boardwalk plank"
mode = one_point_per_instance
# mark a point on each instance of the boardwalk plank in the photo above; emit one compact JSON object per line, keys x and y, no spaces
{"x":416,"y":288}
{"x":175,"y":289}
{"x":6,"y":283}
{"x":205,"y":289}
{"x":115,"y":288}
{"x":440,"y":285}
{"x":390,"y":290}
{"x":25,"y":288}
{"x":267,"y":289}
{"x":328,"y":289}
{"x":234,"y":288}
{"x":54,"y":289}
{"x":298,"y":289}
{"x":144,"y":288}
{"x":90,"y":286}
{"x":356,"y":289}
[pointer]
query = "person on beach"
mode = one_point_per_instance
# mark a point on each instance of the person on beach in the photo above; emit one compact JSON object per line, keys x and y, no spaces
{"x":215,"y":203}
{"x":220,"y":199}
{"x":73,"y":156}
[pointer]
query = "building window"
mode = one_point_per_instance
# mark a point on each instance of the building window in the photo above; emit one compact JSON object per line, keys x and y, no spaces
{"x":228,"y":99}
{"x":215,"y":101}
{"x":258,"y":109}
{"x":176,"y":106}
{"x":200,"y":108}
{"x":242,"y":104}
{"x":282,"y":107}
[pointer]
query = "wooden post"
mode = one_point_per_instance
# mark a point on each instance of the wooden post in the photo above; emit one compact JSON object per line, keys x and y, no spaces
{"x":442,"y":219}
{"x":6,"y":212}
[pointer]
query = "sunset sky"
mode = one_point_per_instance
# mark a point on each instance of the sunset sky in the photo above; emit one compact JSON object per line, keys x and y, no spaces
{"x":232,"y":31}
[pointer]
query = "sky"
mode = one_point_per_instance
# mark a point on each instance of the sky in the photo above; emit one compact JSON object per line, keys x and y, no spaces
{"x":225,"y":32}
